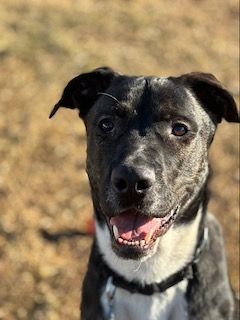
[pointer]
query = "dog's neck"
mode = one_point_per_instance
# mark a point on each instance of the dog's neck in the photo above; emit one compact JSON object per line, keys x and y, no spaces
{"x":173,"y":251}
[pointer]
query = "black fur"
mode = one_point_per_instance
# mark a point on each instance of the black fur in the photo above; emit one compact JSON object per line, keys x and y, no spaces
{"x":136,"y":158}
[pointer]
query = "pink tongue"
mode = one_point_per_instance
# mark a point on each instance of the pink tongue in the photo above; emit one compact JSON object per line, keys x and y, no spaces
{"x":132,"y":224}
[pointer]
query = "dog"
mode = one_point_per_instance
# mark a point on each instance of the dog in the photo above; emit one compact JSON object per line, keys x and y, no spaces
{"x":157,"y":253}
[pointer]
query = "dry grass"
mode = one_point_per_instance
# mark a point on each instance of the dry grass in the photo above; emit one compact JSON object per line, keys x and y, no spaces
{"x":42,"y":177}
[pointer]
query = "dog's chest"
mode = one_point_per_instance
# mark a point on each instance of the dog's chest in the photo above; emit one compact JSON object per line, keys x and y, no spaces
{"x":170,"y":305}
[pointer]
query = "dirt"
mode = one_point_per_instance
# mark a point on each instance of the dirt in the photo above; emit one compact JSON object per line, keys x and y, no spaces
{"x":43,"y":183}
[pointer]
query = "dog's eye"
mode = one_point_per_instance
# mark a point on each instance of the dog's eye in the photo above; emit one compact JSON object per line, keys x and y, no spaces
{"x":106,"y":125}
{"x":179,"y":130}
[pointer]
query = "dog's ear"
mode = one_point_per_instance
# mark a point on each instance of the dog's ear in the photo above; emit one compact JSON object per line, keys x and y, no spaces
{"x":214,"y":98}
{"x":82,"y":91}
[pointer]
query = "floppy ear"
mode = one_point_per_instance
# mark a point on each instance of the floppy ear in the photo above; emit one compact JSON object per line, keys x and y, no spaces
{"x":82,"y":91}
{"x":214,"y":98}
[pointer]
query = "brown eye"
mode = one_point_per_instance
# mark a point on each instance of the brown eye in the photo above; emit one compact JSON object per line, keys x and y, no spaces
{"x":106,"y":125}
{"x":179,"y":130}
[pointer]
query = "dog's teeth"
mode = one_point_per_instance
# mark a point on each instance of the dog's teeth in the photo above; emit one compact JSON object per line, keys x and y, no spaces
{"x":164,"y":220}
{"x":148,"y":236}
{"x":120,"y":240}
{"x":142,"y":243}
{"x":115,"y":232}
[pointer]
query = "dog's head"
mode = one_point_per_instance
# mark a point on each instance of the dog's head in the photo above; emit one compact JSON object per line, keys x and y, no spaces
{"x":147,"y":141}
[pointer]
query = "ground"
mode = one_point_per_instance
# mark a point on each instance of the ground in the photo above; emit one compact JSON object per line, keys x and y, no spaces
{"x":43,"y":183}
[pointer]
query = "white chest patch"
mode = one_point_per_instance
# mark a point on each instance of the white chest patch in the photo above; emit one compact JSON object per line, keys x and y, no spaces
{"x":173,"y":251}
{"x":170,"y":305}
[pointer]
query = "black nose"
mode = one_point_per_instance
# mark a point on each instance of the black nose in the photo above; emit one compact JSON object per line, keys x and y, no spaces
{"x":132,"y":180}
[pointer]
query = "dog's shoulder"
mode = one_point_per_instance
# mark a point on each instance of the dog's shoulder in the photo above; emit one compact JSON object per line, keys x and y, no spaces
{"x":211,"y":282}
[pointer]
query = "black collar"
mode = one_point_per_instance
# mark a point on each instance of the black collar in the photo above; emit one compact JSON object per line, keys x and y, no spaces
{"x":149,"y":289}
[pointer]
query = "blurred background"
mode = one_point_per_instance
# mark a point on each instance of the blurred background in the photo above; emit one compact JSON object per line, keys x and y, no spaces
{"x":43,"y":183}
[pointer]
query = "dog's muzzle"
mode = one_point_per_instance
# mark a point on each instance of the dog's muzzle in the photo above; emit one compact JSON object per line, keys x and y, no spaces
{"x":134,"y":233}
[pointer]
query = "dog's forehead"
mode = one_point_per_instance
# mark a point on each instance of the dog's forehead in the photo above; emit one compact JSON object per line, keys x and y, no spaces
{"x":134,"y":87}
{"x":149,"y":97}
{"x":140,"y":84}
{"x":155,"y":93}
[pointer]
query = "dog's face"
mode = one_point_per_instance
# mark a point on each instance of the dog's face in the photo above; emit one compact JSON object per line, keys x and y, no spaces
{"x":147,"y":141}
{"x":142,"y":161}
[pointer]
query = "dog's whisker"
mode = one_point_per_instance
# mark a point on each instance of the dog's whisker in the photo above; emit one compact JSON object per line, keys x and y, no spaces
{"x":135,"y":270}
{"x":131,"y":266}
{"x":108,"y":95}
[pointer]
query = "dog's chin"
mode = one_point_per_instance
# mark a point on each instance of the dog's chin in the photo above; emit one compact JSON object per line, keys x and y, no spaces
{"x":134,"y":235}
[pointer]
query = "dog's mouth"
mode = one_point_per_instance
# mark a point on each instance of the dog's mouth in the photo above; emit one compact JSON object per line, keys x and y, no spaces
{"x":134,"y":229}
